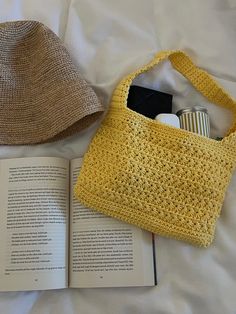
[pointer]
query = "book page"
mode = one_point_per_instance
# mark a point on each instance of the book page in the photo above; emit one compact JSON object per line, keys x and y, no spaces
{"x":34,"y":207}
{"x":105,"y":252}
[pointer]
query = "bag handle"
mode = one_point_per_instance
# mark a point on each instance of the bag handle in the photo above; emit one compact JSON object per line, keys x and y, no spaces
{"x":199,"y":78}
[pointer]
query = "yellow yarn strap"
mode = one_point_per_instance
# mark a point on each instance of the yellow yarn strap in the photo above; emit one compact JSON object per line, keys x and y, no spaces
{"x":199,"y":78}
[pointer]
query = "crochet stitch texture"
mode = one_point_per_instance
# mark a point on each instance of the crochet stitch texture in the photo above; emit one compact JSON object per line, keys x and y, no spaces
{"x":166,"y":180}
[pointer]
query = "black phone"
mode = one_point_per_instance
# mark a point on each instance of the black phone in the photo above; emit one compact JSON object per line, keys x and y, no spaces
{"x":149,"y":102}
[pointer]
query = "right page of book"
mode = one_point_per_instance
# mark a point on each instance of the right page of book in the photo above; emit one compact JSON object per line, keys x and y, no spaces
{"x":105,"y":252}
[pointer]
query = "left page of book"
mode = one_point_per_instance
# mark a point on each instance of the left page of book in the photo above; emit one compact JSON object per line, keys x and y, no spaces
{"x":34,"y":210}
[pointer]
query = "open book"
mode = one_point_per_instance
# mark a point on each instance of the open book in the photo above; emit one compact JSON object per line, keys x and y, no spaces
{"x":50,"y":241}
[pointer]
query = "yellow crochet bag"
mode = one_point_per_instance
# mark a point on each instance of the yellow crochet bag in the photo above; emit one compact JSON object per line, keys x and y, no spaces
{"x":166,"y":180}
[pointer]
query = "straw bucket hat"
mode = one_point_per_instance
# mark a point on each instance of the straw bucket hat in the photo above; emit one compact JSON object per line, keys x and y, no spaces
{"x":43,"y":96}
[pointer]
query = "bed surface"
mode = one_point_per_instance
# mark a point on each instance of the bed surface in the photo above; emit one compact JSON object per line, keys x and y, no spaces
{"x":108,"y":39}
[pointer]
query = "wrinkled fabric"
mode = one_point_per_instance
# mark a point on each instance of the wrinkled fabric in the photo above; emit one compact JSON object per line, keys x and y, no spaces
{"x":108,"y":39}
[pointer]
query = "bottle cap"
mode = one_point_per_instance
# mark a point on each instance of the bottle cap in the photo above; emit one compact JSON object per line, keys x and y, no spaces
{"x":191,"y":109}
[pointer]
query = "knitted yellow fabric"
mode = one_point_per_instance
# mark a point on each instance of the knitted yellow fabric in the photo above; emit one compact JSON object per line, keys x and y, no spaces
{"x":166,"y":180}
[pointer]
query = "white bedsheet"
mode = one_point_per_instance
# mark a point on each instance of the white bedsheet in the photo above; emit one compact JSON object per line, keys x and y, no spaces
{"x":108,"y":39}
